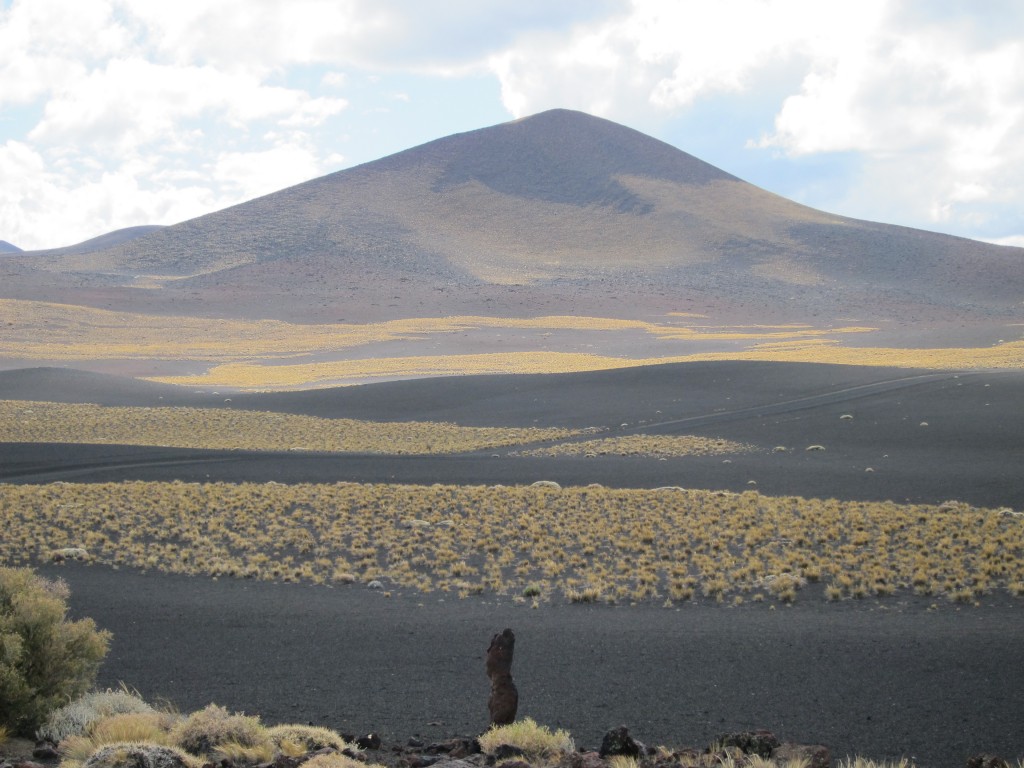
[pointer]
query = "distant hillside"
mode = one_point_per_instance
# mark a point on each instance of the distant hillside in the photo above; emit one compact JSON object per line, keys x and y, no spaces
{"x":103,"y":242}
{"x":559,"y":213}
{"x":6,"y":247}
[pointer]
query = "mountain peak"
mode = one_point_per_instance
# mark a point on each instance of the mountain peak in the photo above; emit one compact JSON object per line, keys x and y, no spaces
{"x":547,"y":214}
{"x":558,"y":156}
{"x":6,"y":247}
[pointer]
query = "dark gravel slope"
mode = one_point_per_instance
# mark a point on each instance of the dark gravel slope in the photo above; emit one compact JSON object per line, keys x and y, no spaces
{"x":882,"y":680}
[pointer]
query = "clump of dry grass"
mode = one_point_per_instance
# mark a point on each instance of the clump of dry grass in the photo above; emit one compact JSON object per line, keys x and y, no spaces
{"x":213,"y":731}
{"x":538,"y":743}
{"x":140,"y":755}
{"x":862,"y":762}
{"x":294,"y":740}
{"x":78,"y":717}
{"x":135,"y":728}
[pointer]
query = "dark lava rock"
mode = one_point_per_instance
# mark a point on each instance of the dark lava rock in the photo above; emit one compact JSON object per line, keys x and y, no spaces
{"x":582,"y":760}
{"x":369,"y":741}
{"x":760,"y":743}
{"x":987,"y":761}
{"x":504,"y":699}
{"x":618,"y":742}
{"x":45,"y":750}
{"x":424,"y":761}
{"x":505,"y":751}
{"x":457,"y":747}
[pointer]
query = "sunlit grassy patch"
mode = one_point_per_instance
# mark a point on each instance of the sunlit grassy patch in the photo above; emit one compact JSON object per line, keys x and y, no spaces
{"x":226,"y":428}
{"x":272,"y":354}
{"x":48,"y":331}
{"x":254,"y":375}
{"x":643,"y":445}
{"x":578,"y":544}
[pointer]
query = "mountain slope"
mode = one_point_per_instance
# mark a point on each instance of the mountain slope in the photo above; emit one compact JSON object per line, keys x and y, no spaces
{"x":102,"y":242}
{"x":6,"y":247}
{"x":560,"y":212}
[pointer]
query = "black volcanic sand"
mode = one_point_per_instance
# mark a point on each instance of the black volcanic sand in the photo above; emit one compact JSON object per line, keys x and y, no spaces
{"x":970,"y":449}
{"x":879,"y":679}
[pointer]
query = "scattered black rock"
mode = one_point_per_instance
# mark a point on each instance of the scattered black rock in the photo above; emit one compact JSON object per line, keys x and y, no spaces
{"x":45,"y":750}
{"x":505,"y":752}
{"x":760,"y":743}
{"x":984,"y":760}
{"x":369,"y":741}
{"x":618,"y":742}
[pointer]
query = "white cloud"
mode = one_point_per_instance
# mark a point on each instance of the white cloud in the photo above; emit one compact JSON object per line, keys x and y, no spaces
{"x":251,"y":174}
{"x":936,"y":118}
{"x":1016,"y":241}
{"x":132,"y":102}
{"x":658,"y":56}
{"x":931,"y":99}
{"x":44,"y":208}
{"x":151,"y":106}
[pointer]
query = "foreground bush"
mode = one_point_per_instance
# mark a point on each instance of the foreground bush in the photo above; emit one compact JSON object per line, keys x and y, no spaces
{"x":537,"y":742}
{"x":137,"y":755}
{"x":45,"y":660}
{"x":133,"y":728}
{"x":234,"y":735}
{"x":78,"y":717}
{"x":294,"y":740}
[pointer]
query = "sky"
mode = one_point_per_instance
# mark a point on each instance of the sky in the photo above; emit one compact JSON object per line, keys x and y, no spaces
{"x":115,"y":113}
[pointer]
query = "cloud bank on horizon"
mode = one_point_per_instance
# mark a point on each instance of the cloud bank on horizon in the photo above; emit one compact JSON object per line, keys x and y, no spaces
{"x":115,"y":113}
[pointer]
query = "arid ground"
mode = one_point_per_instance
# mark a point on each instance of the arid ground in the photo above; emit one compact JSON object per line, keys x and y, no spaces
{"x":883,"y":677}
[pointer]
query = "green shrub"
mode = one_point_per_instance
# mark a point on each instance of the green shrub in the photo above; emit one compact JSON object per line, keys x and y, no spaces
{"x":45,"y":660}
{"x":213,"y":726}
{"x":78,"y":717}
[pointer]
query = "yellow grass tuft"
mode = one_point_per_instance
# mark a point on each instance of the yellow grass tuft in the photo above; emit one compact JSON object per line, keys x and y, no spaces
{"x":862,"y":762}
{"x":213,"y":728}
{"x":537,"y":742}
{"x":294,"y":740}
